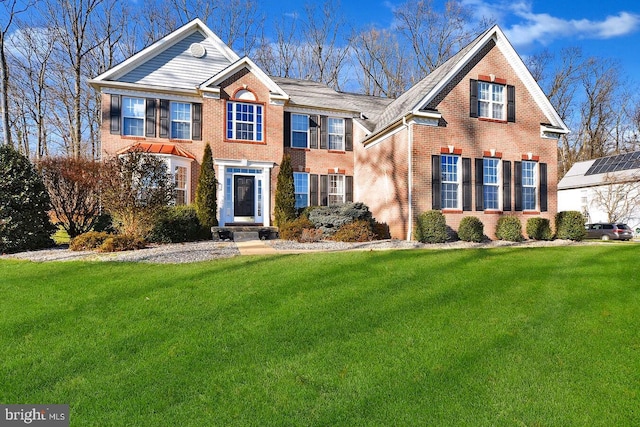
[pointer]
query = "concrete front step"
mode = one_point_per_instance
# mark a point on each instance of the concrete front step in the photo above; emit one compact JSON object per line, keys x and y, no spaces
{"x":244,"y":233}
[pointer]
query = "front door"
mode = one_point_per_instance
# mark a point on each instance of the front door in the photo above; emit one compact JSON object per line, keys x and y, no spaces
{"x":244,"y":203}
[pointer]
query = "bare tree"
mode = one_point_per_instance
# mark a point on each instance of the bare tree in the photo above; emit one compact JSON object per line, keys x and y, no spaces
{"x":619,"y":197}
{"x":280,"y":57}
{"x":9,"y":11}
{"x":382,"y":64}
{"x":434,"y":36}
{"x":238,"y":24}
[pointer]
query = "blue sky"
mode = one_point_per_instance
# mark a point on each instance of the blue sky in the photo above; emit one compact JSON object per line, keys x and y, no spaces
{"x":600,"y":28}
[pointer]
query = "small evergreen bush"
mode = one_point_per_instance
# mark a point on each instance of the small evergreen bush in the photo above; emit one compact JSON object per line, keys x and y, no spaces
{"x":293,"y":230}
{"x":431,"y":227}
{"x":330,"y":218}
{"x":206,"y":203}
{"x":357,"y":231}
{"x":539,"y":229}
{"x":471,"y":229}
{"x":88,"y":241}
{"x":509,"y":228}
{"x":178,"y":224}
{"x":285,"y":206}
{"x":570,"y":225}
{"x":121,"y":242}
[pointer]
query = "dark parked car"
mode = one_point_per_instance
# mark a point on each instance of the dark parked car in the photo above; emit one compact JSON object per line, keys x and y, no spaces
{"x":608,"y":231}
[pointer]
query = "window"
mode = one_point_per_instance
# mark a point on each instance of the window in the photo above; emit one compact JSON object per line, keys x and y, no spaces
{"x":450,"y":166}
{"x":133,"y":110}
{"x":180,"y":120}
{"x":336,"y":189}
{"x":491,"y":101}
{"x":299,"y":130}
{"x":336,"y":133}
{"x":491,"y":184}
{"x":301,"y":185}
{"x":181,"y":185}
{"x":244,"y":121}
{"x":529,"y":185}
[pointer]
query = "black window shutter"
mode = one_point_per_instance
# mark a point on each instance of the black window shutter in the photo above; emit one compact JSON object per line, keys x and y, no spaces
{"x":348,"y":135}
{"x":150,"y":118}
{"x":287,"y":129}
{"x":517,"y":184}
{"x":466,"y":184}
{"x":114,"y":115}
{"x":543,"y":188}
{"x":435,"y":182}
{"x":324,"y":190}
{"x":506,"y":186}
{"x":473,"y":98}
{"x":511,"y":103}
{"x":348,"y":189}
{"x":323,"y":132}
{"x":479,"y":184}
{"x":164,"y":118}
{"x":313,"y":131}
{"x":313,"y":190}
{"x":197,"y":122}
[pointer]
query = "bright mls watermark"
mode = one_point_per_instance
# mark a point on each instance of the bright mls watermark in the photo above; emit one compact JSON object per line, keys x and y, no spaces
{"x":34,"y":415}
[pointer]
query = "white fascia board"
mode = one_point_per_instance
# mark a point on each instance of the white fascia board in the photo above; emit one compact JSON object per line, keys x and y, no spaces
{"x":398,"y":126}
{"x":163,"y":44}
{"x":145,"y":91}
{"x":276,"y":91}
{"x":245,"y":163}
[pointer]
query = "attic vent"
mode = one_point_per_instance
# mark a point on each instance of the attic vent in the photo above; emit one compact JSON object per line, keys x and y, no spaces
{"x":197,"y":50}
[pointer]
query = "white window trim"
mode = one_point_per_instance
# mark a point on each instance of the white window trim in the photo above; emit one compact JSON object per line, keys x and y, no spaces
{"x":172,"y":120}
{"x":255,"y":121}
{"x":490,"y":102}
{"x":143,"y":117}
{"x":299,"y":131}
{"x":458,"y":183}
{"x":340,"y":180}
{"x":535,"y":186}
{"x":307,"y":189}
{"x":498,"y":184}
{"x":341,"y":135}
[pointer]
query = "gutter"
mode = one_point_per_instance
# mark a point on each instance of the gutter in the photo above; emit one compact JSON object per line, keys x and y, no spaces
{"x":410,"y":175}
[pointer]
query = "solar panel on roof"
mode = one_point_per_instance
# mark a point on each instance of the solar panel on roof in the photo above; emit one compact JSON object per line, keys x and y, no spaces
{"x":616,"y":163}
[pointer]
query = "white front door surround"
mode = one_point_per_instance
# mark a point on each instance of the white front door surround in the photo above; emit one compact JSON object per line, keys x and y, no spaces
{"x":255,"y":179}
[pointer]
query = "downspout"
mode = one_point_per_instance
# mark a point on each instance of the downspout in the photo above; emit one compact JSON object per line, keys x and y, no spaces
{"x":410,"y":175}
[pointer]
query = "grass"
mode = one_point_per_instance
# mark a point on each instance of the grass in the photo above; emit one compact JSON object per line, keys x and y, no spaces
{"x":538,"y":336}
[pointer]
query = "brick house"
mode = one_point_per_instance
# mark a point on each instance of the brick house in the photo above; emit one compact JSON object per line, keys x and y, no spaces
{"x":475,"y":137}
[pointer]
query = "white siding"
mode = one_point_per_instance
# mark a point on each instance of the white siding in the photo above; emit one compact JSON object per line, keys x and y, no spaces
{"x":175,"y":67}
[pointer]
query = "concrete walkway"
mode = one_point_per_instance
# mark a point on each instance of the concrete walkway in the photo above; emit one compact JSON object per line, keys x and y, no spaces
{"x":255,"y":247}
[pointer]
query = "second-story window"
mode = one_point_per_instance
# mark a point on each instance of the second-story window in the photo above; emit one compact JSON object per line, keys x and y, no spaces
{"x":299,"y":131}
{"x":336,"y":133}
{"x":180,"y":120}
{"x":244,"y":121}
{"x":133,"y":110}
{"x":491,"y":101}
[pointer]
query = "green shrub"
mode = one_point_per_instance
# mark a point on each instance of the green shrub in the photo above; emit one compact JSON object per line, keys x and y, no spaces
{"x":88,"y":241}
{"x":292,"y":230}
{"x":357,"y":231}
{"x":509,"y":228}
{"x":178,"y":224}
{"x":24,"y":205}
{"x":121,"y":242}
{"x":539,"y":229}
{"x":206,"y":203}
{"x":431,"y":227}
{"x":330,"y":218}
{"x":381,"y":230}
{"x":471,"y":229}
{"x":570,"y":225}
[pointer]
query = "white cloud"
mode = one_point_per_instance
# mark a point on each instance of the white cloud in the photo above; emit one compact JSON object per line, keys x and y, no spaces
{"x":544,"y":28}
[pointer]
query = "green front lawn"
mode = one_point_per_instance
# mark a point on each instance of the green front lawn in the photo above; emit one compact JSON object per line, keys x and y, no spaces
{"x":531,"y":337}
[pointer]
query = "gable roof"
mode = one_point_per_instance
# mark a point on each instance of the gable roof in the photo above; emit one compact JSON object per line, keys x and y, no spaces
{"x":182,"y":60}
{"x":416,"y":100}
{"x":594,"y":172}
